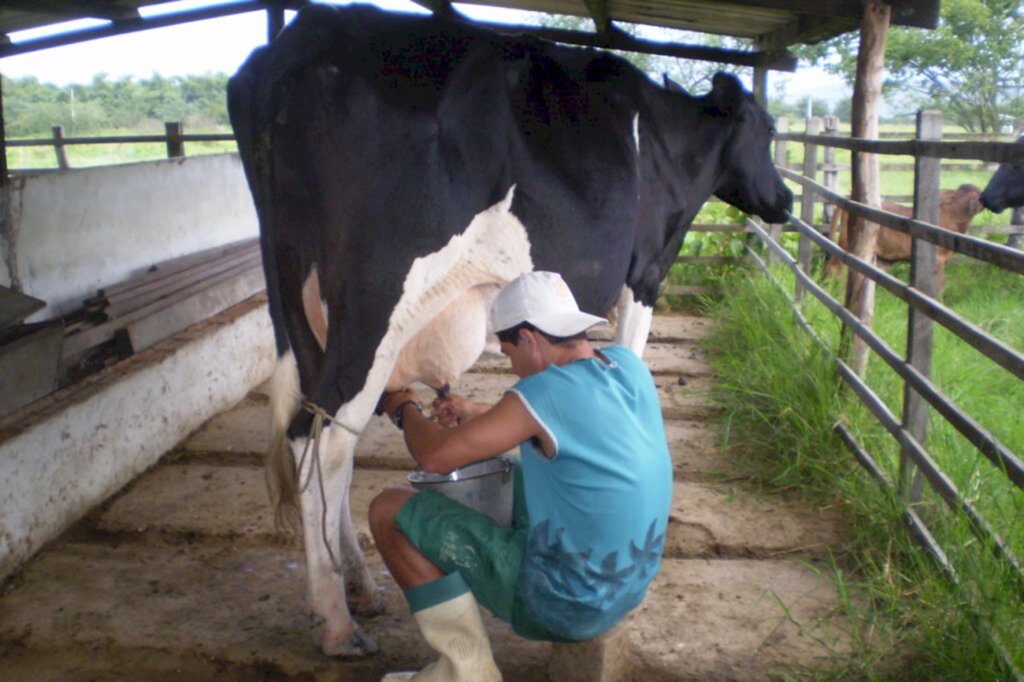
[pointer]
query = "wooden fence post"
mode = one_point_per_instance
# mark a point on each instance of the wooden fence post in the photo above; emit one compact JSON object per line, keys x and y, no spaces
{"x":1016,"y":238}
{"x":831,"y":170}
{"x":59,"y":149}
{"x":810,"y":171}
{"x":775,"y":229}
{"x":175,"y":145}
{"x":923,"y":277}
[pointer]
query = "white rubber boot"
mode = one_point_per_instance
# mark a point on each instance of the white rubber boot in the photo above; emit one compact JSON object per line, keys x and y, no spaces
{"x":455,"y":629}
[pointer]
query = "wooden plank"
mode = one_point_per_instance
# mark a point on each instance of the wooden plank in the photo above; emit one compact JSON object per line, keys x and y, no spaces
{"x":77,"y":344}
{"x":16,"y":306}
{"x":195,"y":308}
{"x":175,"y":265}
{"x":148,"y":292}
{"x":29,"y":365}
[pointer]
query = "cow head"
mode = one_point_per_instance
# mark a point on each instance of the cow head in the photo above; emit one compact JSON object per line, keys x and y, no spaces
{"x":748,"y":179}
{"x":1006,"y":187}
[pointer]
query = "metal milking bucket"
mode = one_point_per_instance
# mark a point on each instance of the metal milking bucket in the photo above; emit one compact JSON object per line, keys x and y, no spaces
{"x":484,"y":486}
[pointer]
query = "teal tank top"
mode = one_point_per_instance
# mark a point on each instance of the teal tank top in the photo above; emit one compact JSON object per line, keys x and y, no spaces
{"x":598,"y":507}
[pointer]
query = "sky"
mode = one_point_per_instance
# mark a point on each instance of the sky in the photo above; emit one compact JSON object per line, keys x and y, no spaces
{"x":221,"y":45}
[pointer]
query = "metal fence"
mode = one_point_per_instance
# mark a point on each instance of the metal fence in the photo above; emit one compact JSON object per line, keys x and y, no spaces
{"x":910,"y":429}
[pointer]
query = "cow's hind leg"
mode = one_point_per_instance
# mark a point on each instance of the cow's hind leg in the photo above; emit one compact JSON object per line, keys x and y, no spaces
{"x":634,"y":322}
{"x":332,"y":552}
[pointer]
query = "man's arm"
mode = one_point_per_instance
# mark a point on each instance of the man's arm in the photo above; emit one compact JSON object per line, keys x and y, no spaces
{"x":439,"y":449}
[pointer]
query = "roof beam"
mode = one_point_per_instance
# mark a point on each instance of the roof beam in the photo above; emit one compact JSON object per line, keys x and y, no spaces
{"x":599,"y":13}
{"x":75,"y":9}
{"x":918,"y":13}
{"x":807,"y":30}
{"x":619,"y":40}
{"x":140,"y":24}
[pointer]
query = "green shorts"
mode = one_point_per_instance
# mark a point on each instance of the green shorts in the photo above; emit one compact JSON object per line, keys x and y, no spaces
{"x":457,"y":538}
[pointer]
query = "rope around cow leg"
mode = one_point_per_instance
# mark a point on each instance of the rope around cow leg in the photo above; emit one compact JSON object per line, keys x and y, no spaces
{"x":315,"y":431}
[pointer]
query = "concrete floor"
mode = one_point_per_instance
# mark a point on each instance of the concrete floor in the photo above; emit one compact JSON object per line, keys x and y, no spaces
{"x":183,"y":575}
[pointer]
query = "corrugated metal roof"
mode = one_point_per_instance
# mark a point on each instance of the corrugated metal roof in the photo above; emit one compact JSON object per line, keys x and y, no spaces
{"x":771,"y":25}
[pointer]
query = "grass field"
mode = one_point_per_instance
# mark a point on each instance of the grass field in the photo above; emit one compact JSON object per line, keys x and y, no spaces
{"x":84,"y":156}
{"x":781,"y":400}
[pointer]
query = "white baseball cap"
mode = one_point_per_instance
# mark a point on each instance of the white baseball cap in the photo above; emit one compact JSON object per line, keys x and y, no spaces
{"x":544,"y":300}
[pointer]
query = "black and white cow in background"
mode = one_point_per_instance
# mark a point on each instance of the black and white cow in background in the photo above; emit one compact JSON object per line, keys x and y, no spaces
{"x":1005,"y":189}
{"x":405,"y":167}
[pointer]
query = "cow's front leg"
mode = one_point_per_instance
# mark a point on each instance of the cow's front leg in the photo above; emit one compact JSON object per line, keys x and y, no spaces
{"x":634,"y":322}
{"x":325,"y":475}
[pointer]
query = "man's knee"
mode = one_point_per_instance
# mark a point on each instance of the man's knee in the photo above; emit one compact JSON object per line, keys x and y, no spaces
{"x":385,"y":507}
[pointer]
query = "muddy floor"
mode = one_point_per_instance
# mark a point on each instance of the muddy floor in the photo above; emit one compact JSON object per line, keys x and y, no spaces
{"x":182,"y":575}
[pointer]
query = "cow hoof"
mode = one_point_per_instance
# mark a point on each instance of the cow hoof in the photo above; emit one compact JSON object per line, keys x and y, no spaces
{"x":357,"y":645}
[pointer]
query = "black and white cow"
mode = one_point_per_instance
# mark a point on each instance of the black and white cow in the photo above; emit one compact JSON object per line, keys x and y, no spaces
{"x":1005,"y":189}
{"x":404,"y":168}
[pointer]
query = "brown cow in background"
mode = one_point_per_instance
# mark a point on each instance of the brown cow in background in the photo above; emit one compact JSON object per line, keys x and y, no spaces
{"x":957,"y":208}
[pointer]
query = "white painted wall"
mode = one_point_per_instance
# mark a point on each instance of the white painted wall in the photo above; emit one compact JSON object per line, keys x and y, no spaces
{"x":73,"y":232}
{"x":97,"y":438}
{"x":69,"y":234}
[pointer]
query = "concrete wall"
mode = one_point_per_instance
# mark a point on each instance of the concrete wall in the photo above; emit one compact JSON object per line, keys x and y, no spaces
{"x":67,"y":234}
{"x":70,"y":233}
{"x":61,"y":458}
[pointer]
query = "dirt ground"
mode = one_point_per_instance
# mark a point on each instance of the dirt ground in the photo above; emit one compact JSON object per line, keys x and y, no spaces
{"x":182,"y":575}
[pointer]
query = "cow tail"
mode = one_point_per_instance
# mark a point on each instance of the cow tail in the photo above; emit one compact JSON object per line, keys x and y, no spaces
{"x":281,"y":474}
{"x":249,"y":118}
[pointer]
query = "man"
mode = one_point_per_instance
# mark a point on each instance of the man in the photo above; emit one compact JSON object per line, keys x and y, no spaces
{"x":593,"y":490}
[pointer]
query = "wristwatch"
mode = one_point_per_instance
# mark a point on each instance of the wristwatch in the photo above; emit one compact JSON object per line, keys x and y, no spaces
{"x":396,"y":416}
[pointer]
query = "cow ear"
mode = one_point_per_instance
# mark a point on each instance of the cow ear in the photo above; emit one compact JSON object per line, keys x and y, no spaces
{"x":672,"y":86}
{"x":727,"y":93}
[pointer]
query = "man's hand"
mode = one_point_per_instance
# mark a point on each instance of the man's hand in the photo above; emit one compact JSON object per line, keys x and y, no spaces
{"x":455,"y":409}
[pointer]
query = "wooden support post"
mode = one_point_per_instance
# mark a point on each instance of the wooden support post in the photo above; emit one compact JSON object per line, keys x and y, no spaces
{"x":863,"y":235}
{"x":923,"y":277}
{"x":175,"y":145}
{"x":761,"y":86}
{"x":810,"y":171}
{"x":775,"y":230}
{"x":831,"y":170}
{"x":59,"y":149}
{"x":275,"y":19}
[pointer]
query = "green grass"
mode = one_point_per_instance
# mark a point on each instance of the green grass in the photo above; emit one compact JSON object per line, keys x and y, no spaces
{"x":781,"y":399}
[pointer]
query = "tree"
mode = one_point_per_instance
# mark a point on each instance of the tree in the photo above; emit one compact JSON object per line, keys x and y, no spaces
{"x":31,"y":107}
{"x":971,"y":66}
